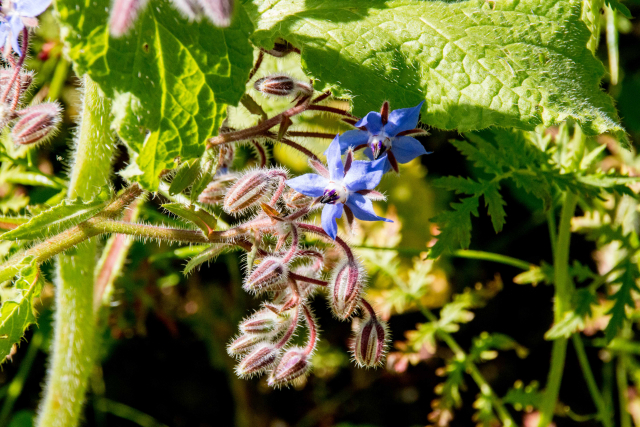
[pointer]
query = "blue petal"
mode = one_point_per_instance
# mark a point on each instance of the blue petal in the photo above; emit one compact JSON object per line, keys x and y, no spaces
{"x":330,"y":214}
{"x":372,"y":121}
{"x":16,"y":28}
{"x":31,"y":8}
{"x":365,"y":175}
{"x":309,"y":184}
{"x":362,"y":208}
{"x":403,"y":119}
{"x":353,"y":138}
{"x":406,"y":149}
{"x":334,"y":161}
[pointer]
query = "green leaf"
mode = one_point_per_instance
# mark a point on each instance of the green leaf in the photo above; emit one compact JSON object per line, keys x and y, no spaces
{"x":455,"y":227}
{"x":574,"y":320}
{"x":58,"y":218}
{"x":186,"y":175}
{"x":458,"y":184}
{"x":170,"y":79}
{"x":623,"y":298}
{"x":495,"y":204}
{"x":11,"y":222}
{"x":474,"y":66}
{"x":616,"y":5}
{"x":484,"y":345}
{"x":202,"y":257}
{"x":527,"y":398}
{"x":17,"y":313}
{"x":203,"y":219}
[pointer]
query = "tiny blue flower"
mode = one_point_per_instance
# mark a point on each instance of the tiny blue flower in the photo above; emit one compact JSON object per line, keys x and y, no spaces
{"x":385,"y":133}
{"x":17,"y":14}
{"x":342,"y":189}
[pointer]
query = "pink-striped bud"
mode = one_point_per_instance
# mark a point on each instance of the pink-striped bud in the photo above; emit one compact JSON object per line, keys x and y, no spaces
{"x":295,"y":200}
{"x":271,"y":275}
{"x":265,"y":322}
{"x":370,"y":342}
{"x":248,"y":191}
{"x":293,"y":365}
{"x":244,"y":344}
{"x":217,"y":189}
{"x":260,"y":359}
{"x":36,"y":123}
{"x":6,"y":75}
{"x":282,"y":85}
{"x":218,"y":11}
{"x":346,"y":287}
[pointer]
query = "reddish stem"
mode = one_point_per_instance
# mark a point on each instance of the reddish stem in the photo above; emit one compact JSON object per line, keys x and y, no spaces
{"x":292,"y":328}
{"x":368,"y":307}
{"x":313,"y":331}
{"x":17,"y":66}
{"x":302,"y":278}
{"x":320,"y":232}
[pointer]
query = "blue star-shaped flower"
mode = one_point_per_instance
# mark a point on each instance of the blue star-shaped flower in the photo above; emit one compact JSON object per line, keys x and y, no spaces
{"x":17,"y":14}
{"x":343,"y":189}
{"x":385,"y":132}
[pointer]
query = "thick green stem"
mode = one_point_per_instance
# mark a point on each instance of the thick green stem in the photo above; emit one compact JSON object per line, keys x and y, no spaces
{"x":562,"y":302}
{"x":603,"y":411}
{"x":474,"y":372}
{"x":73,"y":351}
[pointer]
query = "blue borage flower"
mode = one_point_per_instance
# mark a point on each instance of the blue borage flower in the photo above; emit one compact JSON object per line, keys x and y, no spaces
{"x":343,"y":187}
{"x":386,"y":132}
{"x":15,"y":15}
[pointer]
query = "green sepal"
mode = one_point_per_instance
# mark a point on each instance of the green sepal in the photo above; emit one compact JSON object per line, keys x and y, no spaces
{"x":18,"y":313}
{"x":203,"y":219}
{"x":59,"y":218}
{"x":186,"y":175}
{"x":202,"y":257}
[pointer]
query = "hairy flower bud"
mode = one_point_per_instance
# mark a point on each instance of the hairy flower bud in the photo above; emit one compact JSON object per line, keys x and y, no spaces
{"x":243,"y":344}
{"x":6,"y":75}
{"x":293,"y":365}
{"x":346,"y":287}
{"x":370,"y":342}
{"x":216,"y":190}
{"x":295,"y":200}
{"x":123,"y":15}
{"x":261,"y":358}
{"x":264,"y":322}
{"x":271,"y":275}
{"x":282,"y":85}
{"x":248,"y":191}
{"x":218,"y":11}
{"x":36,"y":123}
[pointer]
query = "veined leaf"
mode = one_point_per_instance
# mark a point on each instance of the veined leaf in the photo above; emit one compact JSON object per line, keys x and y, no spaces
{"x":17,"y":314}
{"x":170,"y":79}
{"x":186,"y":175}
{"x":57,"y":219}
{"x":203,"y":219}
{"x":474,"y":66}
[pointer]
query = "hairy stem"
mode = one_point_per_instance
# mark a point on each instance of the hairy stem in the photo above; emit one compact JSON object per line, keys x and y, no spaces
{"x":562,"y":303}
{"x":489,"y":256}
{"x":73,"y":354}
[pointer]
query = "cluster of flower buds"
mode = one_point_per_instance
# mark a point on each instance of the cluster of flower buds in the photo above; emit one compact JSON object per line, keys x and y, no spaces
{"x":35,"y":123}
{"x":125,"y":12}
{"x":288,"y":273}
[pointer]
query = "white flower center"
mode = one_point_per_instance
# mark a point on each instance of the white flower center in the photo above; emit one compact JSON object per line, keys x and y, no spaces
{"x":335,"y":193}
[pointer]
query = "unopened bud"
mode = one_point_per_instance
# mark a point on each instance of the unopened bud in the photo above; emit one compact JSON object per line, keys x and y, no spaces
{"x":261,"y":358}
{"x":264,"y":322}
{"x":270,"y":275}
{"x":251,"y":189}
{"x":295,"y":200}
{"x":282,"y":85}
{"x":123,"y":16}
{"x":346,"y":288}
{"x":293,"y":365}
{"x":216,"y":190}
{"x":218,"y":11}
{"x":243,"y":344}
{"x":281,"y":48}
{"x":36,"y":123}
{"x":6,"y":75}
{"x":370,"y":342}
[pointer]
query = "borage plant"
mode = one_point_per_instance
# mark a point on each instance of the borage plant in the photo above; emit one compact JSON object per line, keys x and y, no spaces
{"x":202,"y":93}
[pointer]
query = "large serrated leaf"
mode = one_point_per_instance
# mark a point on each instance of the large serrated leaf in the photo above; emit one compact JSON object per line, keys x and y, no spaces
{"x":17,"y":314}
{"x":475,"y":63}
{"x":171,"y":80}
{"x":57,"y":219}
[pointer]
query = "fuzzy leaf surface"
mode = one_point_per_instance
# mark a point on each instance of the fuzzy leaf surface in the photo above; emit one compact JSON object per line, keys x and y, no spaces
{"x":170,"y":79}
{"x":523,"y":64}
{"x":17,"y":313}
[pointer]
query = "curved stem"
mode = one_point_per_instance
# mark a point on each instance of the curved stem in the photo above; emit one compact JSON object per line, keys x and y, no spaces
{"x":562,"y":303}
{"x":488,"y":256}
{"x":73,"y":355}
{"x":313,"y":330}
